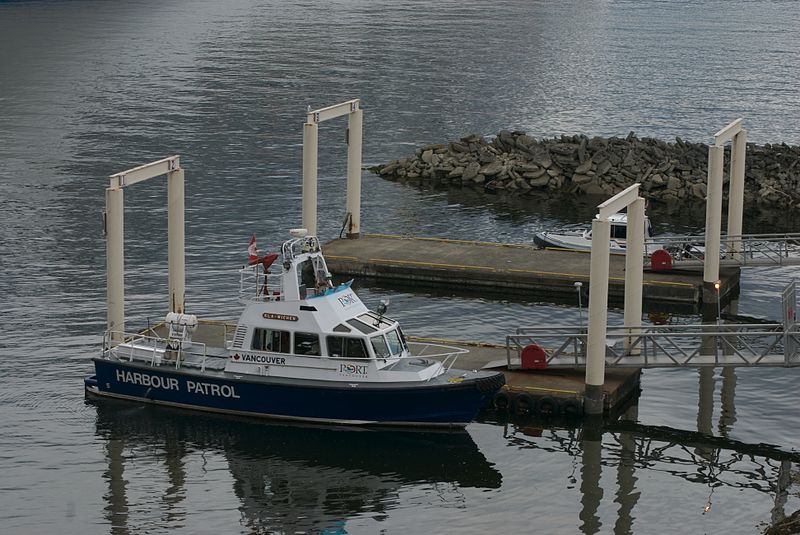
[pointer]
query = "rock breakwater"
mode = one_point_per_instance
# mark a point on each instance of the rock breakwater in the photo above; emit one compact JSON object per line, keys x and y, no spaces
{"x":518,"y":164}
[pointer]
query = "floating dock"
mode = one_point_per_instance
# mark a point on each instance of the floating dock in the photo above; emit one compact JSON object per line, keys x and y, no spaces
{"x":552,"y":393}
{"x":510,"y":268}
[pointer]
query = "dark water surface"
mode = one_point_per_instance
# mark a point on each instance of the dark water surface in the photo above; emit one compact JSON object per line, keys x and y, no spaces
{"x":89,"y":88}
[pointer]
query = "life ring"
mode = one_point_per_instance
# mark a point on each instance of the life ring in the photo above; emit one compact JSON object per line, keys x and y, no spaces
{"x":572,"y":408}
{"x":549,"y":406}
{"x":502,"y":402}
{"x":524,"y":405}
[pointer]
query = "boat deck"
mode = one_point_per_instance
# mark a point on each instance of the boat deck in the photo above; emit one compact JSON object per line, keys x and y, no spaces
{"x":503,"y":268}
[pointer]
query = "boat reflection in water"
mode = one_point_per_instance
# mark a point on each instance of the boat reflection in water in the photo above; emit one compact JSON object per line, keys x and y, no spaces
{"x":286,"y":478}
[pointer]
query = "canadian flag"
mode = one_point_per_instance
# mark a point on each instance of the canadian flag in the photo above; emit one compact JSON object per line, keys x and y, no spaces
{"x":252,"y":251}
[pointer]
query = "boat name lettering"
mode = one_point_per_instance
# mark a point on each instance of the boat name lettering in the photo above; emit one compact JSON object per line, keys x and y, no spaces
{"x":353,"y":369}
{"x":260,"y":359}
{"x":211,"y":389}
{"x":347,"y":300}
{"x":145,"y":379}
{"x":170,"y":383}
{"x":282,"y":317}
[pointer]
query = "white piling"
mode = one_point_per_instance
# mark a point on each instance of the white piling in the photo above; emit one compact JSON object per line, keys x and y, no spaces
{"x":310,"y":136}
{"x":736,"y":193}
{"x":713,"y":214}
{"x":115,"y":247}
{"x":598,"y":317}
{"x":354,"y":143}
{"x":176,"y":239}
{"x":634,"y":267}
{"x":354,"y":139}
{"x":115,"y":262}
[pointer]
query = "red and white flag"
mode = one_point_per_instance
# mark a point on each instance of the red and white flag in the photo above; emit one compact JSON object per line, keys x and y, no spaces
{"x":252,"y":251}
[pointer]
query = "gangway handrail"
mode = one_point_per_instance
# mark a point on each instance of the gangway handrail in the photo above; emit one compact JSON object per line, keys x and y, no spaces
{"x":780,"y":248}
{"x":666,"y":345}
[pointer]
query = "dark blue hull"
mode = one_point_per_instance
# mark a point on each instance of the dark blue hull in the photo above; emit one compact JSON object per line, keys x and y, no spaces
{"x":432,"y":403}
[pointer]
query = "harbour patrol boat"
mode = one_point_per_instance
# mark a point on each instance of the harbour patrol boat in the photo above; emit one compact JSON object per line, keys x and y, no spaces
{"x":303,"y":349}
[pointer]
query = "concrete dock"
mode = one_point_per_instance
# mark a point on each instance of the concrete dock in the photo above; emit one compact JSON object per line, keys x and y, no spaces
{"x":508,"y":268}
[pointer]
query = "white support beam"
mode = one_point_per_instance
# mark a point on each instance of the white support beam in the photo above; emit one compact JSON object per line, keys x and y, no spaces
{"x":727,"y":133}
{"x":115,"y":262}
{"x":354,"y":138}
{"x":144,"y":172}
{"x":736,"y":194}
{"x":634,"y":273}
{"x":115,"y":247}
{"x":331,"y":112}
{"x":310,"y":136}
{"x":618,"y":202}
{"x":354,"y":148}
{"x":175,"y":241}
{"x":598,"y":316}
{"x":713,"y":214}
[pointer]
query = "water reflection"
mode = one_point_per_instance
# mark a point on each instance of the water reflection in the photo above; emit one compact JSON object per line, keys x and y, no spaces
{"x":702,"y":465}
{"x":286,"y":478}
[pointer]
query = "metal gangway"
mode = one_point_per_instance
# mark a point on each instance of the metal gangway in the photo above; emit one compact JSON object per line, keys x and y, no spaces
{"x":743,"y":250}
{"x":658,"y":346}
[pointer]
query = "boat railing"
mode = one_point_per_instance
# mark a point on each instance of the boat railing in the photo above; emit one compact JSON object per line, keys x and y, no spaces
{"x":124,"y":345}
{"x":255,"y":285}
{"x":297,"y":246}
{"x":446,"y":355}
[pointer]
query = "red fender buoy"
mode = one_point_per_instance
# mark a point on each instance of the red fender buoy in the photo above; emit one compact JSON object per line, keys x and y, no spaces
{"x":533,"y":357}
{"x":660,"y":260}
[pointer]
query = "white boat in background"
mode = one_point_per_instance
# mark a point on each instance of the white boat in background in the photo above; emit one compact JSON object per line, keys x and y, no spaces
{"x":582,"y":240}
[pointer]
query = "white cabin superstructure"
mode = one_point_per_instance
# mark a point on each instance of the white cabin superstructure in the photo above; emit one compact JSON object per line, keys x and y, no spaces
{"x":297,"y":325}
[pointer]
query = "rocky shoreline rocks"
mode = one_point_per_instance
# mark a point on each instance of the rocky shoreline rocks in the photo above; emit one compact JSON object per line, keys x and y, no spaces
{"x":517,"y":164}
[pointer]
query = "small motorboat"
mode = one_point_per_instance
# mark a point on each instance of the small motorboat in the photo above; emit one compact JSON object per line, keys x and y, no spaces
{"x":302,"y":349}
{"x":582,"y":240}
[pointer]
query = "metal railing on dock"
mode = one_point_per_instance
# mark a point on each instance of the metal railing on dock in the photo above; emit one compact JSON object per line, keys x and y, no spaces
{"x":665,"y":345}
{"x":745,"y":250}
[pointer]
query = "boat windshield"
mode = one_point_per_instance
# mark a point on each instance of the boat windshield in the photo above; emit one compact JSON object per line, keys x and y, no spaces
{"x":380,"y":347}
{"x":395,"y":345}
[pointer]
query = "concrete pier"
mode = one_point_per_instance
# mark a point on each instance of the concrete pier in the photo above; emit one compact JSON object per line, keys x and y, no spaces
{"x":507,"y":268}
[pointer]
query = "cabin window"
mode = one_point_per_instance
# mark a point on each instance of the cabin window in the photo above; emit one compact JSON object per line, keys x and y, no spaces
{"x":380,"y":347}
{"x":271,"y":340}
{"x":342,"y":329}
{"x":619,"y":231}
{"x":395,"y":345}
{"x":361,"y":326}
{"x":306,"y":344}
{"x":345,"y":347}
